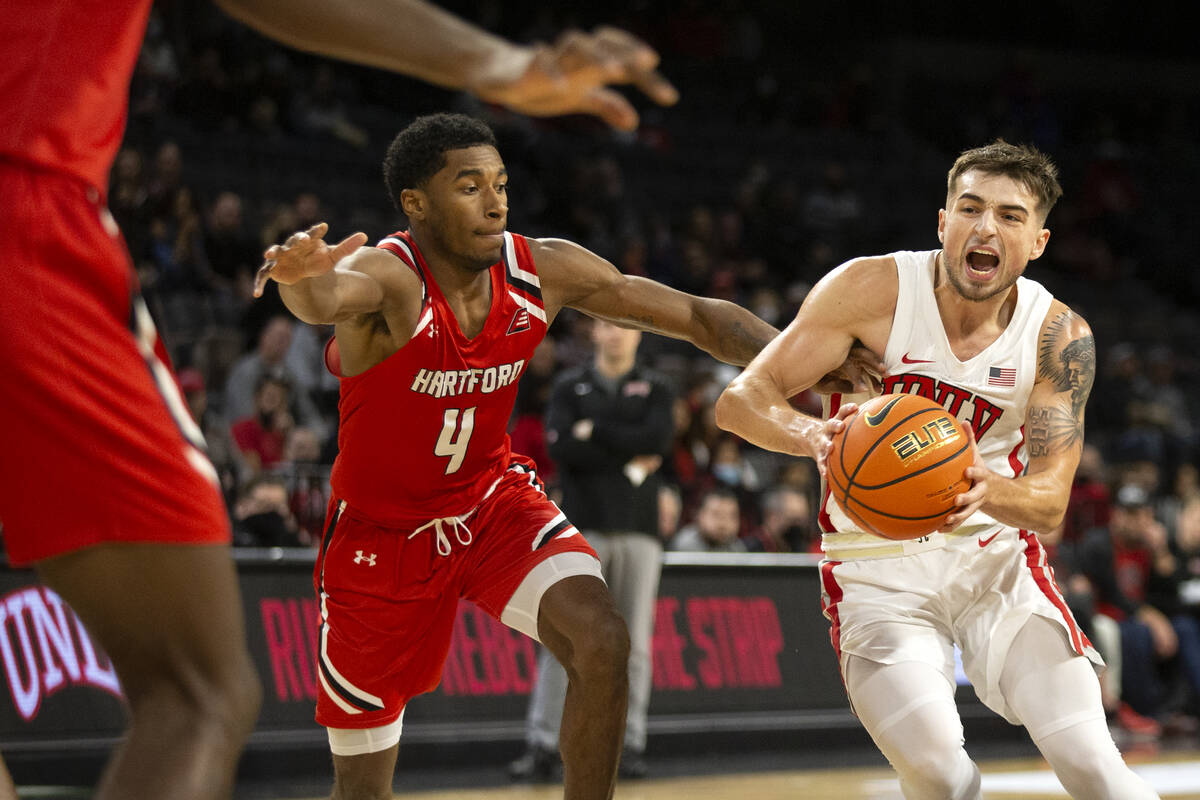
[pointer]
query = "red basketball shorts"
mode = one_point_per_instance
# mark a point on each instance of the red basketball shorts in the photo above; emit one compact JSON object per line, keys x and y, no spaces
{"x":388,"y":596}
{"x":96,"y":444}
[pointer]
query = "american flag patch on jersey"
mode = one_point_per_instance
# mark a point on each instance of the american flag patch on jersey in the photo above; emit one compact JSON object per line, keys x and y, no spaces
{"x":1002,"y":376}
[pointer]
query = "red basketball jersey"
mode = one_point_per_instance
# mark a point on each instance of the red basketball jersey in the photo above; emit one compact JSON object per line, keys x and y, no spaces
{"x":65,"y":67}
{"x":424,"y":433}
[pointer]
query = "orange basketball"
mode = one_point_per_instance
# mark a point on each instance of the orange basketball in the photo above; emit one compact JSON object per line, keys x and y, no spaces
{"x":897,"y":466}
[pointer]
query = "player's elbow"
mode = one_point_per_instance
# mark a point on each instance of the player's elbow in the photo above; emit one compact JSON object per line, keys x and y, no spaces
{"x":1050,"y":516}
{"x":307,"y":306}
{"x":726,"y":411}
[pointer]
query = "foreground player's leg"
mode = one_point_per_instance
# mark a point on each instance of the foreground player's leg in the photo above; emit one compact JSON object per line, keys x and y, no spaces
{"x":365,"y":777}
{"x":7,"y":790}
{"x":908,"y":708}
{"x":580,"y":624}
{"x":1056,"y":695}
{"x":170,"y":618}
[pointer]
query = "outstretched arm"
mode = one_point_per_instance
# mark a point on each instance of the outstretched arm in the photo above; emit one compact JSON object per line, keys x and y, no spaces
{"x":854,"y":303}
{"x":1037,"y":500}
{"x":311,"y":287}
{"x":416,"y":38}
{"x":577,"y":278}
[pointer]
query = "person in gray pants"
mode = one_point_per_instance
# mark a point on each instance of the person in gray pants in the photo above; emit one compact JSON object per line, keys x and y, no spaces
{"x":608,"y":425}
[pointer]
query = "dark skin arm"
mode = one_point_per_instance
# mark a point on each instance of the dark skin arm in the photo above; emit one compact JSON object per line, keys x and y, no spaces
{"x":373,"y":300}
{"x":577,"y":278}
{"x":412,"y":37}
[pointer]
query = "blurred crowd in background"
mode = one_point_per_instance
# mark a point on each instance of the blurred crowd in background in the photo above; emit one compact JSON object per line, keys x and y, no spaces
{"x":792,"y":150}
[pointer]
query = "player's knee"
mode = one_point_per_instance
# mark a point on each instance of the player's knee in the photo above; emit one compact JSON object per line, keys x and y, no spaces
{"x":241,"y":696}
{"x":225,"y":700}
{"x":601,"y":649}
{"x":1088,"y":772}
{"x":933,"y":778}
{"x":938,"y":773}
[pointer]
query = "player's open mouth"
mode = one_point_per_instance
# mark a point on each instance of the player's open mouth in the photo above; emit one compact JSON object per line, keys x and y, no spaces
{"x":982,"y":263}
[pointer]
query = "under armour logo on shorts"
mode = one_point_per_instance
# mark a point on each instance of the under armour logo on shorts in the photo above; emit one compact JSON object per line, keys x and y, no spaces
{"x":360,"y":558}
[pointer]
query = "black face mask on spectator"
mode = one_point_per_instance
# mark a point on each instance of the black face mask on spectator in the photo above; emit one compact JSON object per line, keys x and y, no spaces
{"x":266,"y":529}
{"x":796,"y":536}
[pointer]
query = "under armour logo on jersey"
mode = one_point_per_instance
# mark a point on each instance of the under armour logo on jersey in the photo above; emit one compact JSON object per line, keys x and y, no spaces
{"x":520,"y":322}
{"x":360,"y":558}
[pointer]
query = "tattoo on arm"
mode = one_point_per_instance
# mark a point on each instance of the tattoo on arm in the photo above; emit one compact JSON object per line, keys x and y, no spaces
{"x":1052,"y":430}
{"x":1069,"y":364}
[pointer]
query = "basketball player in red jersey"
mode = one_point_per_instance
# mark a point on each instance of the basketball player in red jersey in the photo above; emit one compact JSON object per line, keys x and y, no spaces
{"x":432,"y":331}
{"x":103,"y":481}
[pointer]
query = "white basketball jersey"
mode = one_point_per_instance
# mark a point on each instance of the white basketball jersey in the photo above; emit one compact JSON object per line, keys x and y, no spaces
{"x":989,"y":392}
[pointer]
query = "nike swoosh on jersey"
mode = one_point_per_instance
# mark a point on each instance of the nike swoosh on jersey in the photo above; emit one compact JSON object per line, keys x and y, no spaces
{"x":904,"y":359}
{"x":877,"y":417}
{"x":988,"y":540}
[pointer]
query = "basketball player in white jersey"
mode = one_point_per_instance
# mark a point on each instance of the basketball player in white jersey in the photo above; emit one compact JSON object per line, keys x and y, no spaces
{"x":961,"y":326}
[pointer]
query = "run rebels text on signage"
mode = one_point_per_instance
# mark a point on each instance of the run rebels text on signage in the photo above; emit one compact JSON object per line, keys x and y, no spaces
{"x":733,"y":642}
{"x":700,"y":642}
{"x":983,"y":415}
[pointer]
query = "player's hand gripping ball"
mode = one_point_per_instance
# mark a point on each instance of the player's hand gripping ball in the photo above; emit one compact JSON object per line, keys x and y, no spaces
{"x":897,"y":466}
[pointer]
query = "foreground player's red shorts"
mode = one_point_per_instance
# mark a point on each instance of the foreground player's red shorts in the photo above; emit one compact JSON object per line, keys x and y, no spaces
{"x":388,"y":599}
{"x":94,"y":434}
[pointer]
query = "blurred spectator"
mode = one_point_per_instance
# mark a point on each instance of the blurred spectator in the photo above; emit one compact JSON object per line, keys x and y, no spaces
{"x":1184,"y":488}
{"x":261,"y":435}
{"x":269,"y":358}
{"x":716,"y":527}
{"x":281,"y":222}
{"x":1102,"y":630}
{"x":670,"y":509}
{"x":309,"y":211}
{"x":205,"y":94}
{"x":321,"y":109}
{"x":1178,"y":593}
{"x":128,"y":199}
{"x":527,"y":429}
{"x":1164,"y":406}
{"x":832,"y":209}
{"x":1110,"y":194}
{"x":261,"y":516}
{"x":307,"y":480}
{"x":1187,"y":553}
{"x":1090,"y":496}
{"x":1116,"y":386}
{"x":1118,"y":563}
{"x":222,"y":451}
{"x":167,"y":180}
{"x":305,"y":362}
{"x":788,"y":524}
{"x":176,"y":252}
{"x":233,"y":253}
{"x":729,"y":467}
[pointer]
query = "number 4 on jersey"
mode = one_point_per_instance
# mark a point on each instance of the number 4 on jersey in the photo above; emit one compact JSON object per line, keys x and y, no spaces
{"x":455,"y":436}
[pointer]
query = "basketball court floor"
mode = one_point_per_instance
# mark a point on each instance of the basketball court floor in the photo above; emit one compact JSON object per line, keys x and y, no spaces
{"x":1017,"y":773}
{"x":1177,"y":778}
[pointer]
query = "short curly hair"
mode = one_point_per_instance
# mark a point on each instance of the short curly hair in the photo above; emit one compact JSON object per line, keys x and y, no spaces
{"x":419,"y":151}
